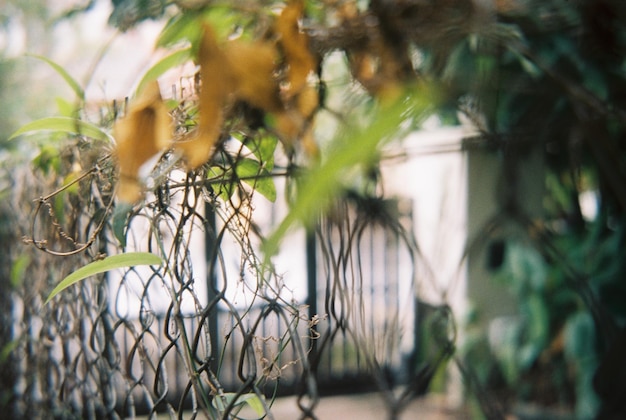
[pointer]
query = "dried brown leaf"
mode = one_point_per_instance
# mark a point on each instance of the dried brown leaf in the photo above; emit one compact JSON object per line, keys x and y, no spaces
{"x":217,"y":85}
{"x":145,"y":131}
{"x":295,"y":45}
{"x":301,"y":99}
{"x":253,"y":66}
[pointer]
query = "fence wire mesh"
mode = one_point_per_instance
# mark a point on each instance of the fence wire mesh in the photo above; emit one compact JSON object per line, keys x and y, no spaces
{"x":216,"y":328}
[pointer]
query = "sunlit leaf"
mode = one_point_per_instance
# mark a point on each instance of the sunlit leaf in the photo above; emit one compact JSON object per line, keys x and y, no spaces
{"x":107,"y":264}
{"x":246,"y":168}
{"x":173,"y":60}
{"x":72,"y":83}
{"x":252,"y":173}
{"x":264,"y":149}
{"x":225,"y":186}
{"x":182,"y":27}
{"x":358,"y":147}
{"x":66,"y":108}
{"x":63,"y":124}
{"x":187,"y":27}
{"x":251,"y":400}
{"x":255,"y":403}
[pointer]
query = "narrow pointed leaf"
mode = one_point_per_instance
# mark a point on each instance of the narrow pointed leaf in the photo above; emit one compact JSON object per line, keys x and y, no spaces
{"x":184,"y":27}
{"x":358,"y":147}
{"x":173,"y":60}
{"x":130,"y":259}
{"x":64,"y":124}
{"x":78,"y":90}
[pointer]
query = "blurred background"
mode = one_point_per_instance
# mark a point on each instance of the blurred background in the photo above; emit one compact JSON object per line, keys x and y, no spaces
{"x":478,"y":258}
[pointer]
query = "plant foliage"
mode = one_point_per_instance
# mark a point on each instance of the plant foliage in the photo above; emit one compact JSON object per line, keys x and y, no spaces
{"x":530,"y":76}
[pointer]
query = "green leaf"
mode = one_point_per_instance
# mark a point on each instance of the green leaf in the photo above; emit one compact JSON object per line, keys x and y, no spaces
{"x":183,"y":27}
{"x":252,"y":400}
{"x":218,"y":175}
{"x":252,"y":173}
{"x":130,"y":259}
{"x":78,"y":90}
{"x":255,"y":403}
{"x":18,"y":270}
{"x":173,"y":60}
{"x":48,"y":159}
{"x":120,"y":221}
{"x":537,"y":331}
{"x":264,"y":148}
{"x":65,"y":124}
{"x":354,"y":148}
{"x":187,"y":27}
{"x":66,"y":108}
{"x":579,"y":337}
{"x":7,"y":349}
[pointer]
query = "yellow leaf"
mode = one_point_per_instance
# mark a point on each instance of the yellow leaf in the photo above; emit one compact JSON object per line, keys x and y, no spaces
{"x":247,"y":71}
{"x":253,"y":65}
{"x":301,"y":99}
{"x":145,"y":131}
{"x":376,"y":65}
{"x":295,"y":45}
{"x":217,"y":84}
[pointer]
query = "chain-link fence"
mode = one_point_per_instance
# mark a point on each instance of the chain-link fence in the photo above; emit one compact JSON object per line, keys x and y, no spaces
{"x":216,"y":328}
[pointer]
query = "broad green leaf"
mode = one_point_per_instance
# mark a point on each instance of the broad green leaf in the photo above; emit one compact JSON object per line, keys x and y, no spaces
{"x":173,"y":60}
{"x":65,"y":124}
{"x":264,"y":148}
{"x":219,"y":176}
{"x":264,"y":185}
{"x":130,"y":259}
{"x":78,"y":90}
{"x":354,"y":148}
{"x":252,"y":173}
